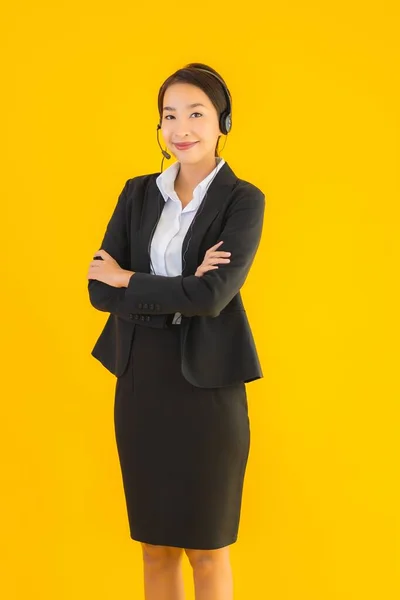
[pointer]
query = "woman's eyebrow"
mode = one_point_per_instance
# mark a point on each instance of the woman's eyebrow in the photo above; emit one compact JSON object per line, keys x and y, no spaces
{"x":188,"y":106}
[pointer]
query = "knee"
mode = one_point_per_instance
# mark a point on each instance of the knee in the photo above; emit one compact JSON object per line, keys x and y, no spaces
{"x":160,"y":555}
{"x":206,"y":559}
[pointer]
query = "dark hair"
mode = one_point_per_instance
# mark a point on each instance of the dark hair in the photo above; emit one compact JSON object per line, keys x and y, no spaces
{"x":205,"y":81}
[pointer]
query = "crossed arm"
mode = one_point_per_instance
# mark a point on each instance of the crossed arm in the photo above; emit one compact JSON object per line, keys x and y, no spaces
{"x":189,"y":295}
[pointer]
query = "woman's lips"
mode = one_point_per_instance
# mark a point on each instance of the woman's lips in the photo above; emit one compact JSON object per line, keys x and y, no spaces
{"x":185,"y":146}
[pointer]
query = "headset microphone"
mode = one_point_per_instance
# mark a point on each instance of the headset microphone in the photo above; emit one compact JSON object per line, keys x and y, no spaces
{"x":164,"y":152}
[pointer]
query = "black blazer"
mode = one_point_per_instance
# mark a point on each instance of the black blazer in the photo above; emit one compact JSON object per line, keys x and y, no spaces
{"x":217,"y":345}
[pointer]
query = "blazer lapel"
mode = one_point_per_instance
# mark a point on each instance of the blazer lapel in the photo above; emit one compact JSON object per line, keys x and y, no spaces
{"x":218,"y":191}
{"x":153,"y":204}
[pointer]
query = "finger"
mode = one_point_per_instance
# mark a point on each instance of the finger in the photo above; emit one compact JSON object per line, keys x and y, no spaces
{"x":213,"y":261}
{"x":220,"y":255}
{"x":216,"y":246}
{"x":102,"y":253}
{"x":215,"y":253}
{"x":204,"y":271}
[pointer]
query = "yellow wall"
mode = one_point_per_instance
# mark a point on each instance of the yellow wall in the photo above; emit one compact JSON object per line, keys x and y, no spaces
{"x":316,"y":126}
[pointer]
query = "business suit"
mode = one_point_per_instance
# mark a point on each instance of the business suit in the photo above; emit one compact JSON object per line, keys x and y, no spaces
{"x":214,"y":320}
{"x":180,"y":413}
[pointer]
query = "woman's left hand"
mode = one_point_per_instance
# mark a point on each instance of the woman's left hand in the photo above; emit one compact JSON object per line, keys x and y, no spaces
{"x":106,"y":270}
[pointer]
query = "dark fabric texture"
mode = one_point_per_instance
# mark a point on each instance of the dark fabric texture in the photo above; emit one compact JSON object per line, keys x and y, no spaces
{"x":183,"y":449}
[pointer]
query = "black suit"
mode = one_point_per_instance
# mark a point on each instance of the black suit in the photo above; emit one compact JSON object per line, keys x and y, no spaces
{"x":217,"y":345}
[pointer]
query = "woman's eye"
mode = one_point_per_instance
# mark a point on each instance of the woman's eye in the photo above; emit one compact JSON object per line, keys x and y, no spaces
{"x":195,"y":113}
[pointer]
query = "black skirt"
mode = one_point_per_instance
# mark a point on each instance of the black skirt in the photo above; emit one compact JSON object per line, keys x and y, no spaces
{"x":182,"y":449}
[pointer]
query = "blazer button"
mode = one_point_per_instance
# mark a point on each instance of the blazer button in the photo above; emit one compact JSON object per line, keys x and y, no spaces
{"x":140,"y":305}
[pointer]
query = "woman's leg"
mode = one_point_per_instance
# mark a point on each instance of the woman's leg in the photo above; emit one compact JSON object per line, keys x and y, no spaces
{"x":212,"y":573}
{"x":163,"y":577}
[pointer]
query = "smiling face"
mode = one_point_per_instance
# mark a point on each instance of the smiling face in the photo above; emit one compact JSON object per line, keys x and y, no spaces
{"x":183,"y":122}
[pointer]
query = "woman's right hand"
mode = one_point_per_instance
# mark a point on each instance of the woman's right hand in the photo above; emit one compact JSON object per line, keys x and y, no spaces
{"x":211,"y":257}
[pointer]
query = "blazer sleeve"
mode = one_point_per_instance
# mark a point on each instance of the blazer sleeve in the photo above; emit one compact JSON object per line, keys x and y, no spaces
{"x":209,"y":294}
{"x":115,"y":241}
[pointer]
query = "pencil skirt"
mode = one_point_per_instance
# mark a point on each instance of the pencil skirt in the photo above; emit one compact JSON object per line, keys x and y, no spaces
{"x":182,"y":449}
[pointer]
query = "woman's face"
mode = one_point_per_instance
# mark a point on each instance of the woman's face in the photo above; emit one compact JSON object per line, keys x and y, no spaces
{"x":181,"y":122}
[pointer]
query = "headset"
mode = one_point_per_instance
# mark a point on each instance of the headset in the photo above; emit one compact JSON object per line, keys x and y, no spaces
{"x":225,"y":125}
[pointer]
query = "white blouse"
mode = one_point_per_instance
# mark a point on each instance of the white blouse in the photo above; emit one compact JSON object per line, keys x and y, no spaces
{"x":166,"y":245}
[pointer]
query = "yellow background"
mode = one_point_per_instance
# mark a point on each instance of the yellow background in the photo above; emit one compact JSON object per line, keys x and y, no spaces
{"x":316,"y":126}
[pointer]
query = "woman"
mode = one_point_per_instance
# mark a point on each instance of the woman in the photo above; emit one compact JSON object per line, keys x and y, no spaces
{"x":179,"y":341}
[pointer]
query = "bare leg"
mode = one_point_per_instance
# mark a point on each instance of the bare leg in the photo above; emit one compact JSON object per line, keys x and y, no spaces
{"x":212,"y":573}
{"x":163,"y":577}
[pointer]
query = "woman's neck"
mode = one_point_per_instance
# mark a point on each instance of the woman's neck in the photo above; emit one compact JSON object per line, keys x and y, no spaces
{"x":189,"y":176}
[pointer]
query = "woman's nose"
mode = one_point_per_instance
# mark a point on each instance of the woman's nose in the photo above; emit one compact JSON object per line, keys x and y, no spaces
{"x":181,"y":131}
